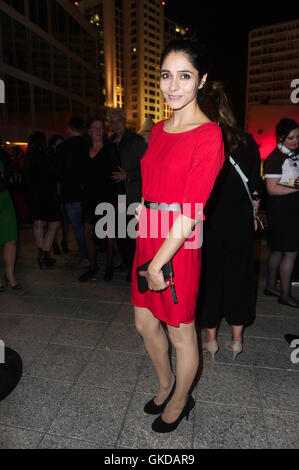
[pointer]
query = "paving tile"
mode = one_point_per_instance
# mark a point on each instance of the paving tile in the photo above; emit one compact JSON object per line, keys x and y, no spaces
{"x":112,"y":369}
{"x":91,"y":414}
{"x":113,"y":294}
{"x":138,"y":434}
{"x":19,"y":304}
{"x":60,"y":362}
{"x":36,"y":328}
{"x":270,"y":306}
{"x":291,"y":325}
{"x":8,"y":323}
{"x":278,"y":389}
{"x":42,"y":289}
{"x":16,"y":438}
{"x":228,"y":427}
{"x":228,"y":384}
{"x":80,"y":333}
{"x":34,"y":403}
{"x":51,"y":441}
{"x":266,"y":327}
{"x":28,"y":350}
{"x":125,"y":315}
{"x":122,"y":338}
{"x":58,"y":307}
{"x":74,"y":290}
{"x":256,"y":352}
{"x":104,"y":312}
{"x":282,"y":429}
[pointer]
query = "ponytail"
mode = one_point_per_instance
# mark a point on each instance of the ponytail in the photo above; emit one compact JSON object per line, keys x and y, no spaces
{"x":214,"y":102}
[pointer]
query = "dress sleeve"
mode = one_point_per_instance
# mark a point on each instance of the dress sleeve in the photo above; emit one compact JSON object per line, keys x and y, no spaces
{"x":207,"y":162}
{"x":273,"y":166}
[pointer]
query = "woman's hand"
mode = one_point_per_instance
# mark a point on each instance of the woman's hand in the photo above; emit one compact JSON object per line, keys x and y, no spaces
{"x":120,"y":175}
{"x":138,"y":211}
{"x":155,"y":279}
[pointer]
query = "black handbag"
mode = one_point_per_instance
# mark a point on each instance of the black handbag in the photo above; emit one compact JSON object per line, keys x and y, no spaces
{"x":168,"y":273}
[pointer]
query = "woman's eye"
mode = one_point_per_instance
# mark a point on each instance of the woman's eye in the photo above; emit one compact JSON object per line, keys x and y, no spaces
{"x":164,"y":75}
{"x":185,"y":76}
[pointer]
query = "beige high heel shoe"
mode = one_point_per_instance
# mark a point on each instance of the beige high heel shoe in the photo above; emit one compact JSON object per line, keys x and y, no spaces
{"x":236,"y":347}
{"x":211,"y":347}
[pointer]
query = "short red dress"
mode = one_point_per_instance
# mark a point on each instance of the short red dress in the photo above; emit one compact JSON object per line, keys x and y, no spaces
{"x":176,"y":168}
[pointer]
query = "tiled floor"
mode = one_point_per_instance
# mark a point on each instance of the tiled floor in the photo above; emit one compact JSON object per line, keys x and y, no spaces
{"x":87,"y":375}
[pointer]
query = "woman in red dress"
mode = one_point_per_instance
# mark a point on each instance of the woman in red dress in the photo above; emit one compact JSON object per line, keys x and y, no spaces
{"x":183,"y":159}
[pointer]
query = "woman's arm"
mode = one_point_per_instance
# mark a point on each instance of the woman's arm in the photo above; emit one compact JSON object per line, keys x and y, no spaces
{"x":275,"y":189}
{"x":178,"y":234}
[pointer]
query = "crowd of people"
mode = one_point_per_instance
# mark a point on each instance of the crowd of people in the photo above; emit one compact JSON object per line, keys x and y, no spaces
{"x":62,"y":181}
{"x":199,"y":155}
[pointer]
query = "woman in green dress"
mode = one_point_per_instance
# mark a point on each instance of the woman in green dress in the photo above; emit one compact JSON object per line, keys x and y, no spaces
{"x":8,"y":224}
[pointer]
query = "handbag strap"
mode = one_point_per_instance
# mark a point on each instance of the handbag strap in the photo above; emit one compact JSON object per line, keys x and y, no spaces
{"x":245,"y":180}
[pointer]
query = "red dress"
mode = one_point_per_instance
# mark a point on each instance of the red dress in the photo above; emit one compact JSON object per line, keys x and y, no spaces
{"x":176,"y":168}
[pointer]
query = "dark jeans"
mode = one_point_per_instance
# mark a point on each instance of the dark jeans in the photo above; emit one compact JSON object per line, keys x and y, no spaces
{"x":74,"y":212}
{"x":127,"y":246}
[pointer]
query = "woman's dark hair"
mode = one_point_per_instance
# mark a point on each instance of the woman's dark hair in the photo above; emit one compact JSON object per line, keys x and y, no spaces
{"x":284,"y":127}
{"x":211,"y":98}
{"x":37,"y":146}
{"x":37,"y":142}
{"x":53,"y":141}
{"x":93,"y":119}
{"x":90,"y":121}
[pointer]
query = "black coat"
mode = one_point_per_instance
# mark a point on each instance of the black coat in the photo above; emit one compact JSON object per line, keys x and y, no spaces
{"x":130,"y":150}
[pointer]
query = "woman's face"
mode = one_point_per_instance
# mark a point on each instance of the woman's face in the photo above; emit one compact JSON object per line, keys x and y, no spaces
{"x":179,"y":80}
{"x":292,"y":140}
{"x":96,"y":131}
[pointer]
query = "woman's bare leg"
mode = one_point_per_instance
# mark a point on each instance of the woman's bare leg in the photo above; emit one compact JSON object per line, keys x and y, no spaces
{"x":157,"y":346}
{"x":184,"y":339}
{"x":38,"y":233}
{"x":49,"y":235}
{"x":9,"y":252}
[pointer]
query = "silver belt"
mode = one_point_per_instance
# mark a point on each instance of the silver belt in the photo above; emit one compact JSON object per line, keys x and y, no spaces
{"x":163,"y":206}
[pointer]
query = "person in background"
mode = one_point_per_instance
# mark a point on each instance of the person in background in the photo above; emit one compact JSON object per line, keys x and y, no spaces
{"x":281,"y":171}
{"x":8,"y":223}
{"x":130,"y":148}
{"x":229,"y":232}
{"x":53,"y":143}
{"x":40,"y":180}
{"x":98,"y":187}
{"x":71,"y":157}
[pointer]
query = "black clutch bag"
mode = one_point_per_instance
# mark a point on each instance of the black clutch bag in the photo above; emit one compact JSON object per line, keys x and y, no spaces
{"x":168,"y":273}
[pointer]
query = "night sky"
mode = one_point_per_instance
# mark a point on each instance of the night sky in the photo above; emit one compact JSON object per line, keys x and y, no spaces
{"x":224,"y":29}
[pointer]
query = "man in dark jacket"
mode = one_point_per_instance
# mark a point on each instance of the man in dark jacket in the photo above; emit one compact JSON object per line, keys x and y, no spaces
{"x":130,"y":148}
{"x":71,"y":155}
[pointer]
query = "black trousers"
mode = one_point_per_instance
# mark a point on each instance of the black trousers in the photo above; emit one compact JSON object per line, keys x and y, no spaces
{"x":127,"y":245}
{"x":227,"y":276}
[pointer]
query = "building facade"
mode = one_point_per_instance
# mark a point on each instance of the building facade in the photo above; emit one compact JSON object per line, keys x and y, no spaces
{"x":134,"y":33}
{"x":49,"y":66}
{"x":273,"y":66}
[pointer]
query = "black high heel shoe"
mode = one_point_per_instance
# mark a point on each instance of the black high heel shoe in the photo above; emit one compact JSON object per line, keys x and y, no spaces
{"x":160,"y":426}
{"x":152,"y":409}
{"x":270,"y":293}
{"x":14,"y":286}
{"x":289,"y":304}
